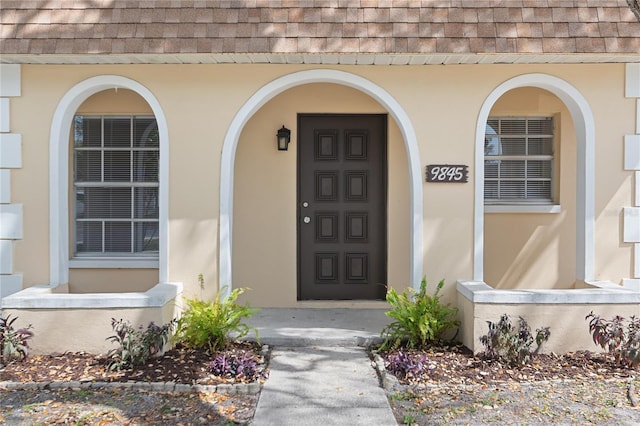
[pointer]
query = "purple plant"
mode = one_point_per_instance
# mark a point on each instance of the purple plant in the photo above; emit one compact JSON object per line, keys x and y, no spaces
{"x":406,"y":365}
{"x":620,"y":340}
{"x":511,"y":344}
{"x":235,"y":365}
{"x":14,"y":343}
{"x":136,"y":346}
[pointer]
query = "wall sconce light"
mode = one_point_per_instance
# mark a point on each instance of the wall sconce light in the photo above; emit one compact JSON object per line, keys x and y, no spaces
{"x":284,"y":137}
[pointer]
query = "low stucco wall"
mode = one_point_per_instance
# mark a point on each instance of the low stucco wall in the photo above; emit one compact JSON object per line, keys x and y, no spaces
{"x":82,"y":322}
{"x":564,"y":311}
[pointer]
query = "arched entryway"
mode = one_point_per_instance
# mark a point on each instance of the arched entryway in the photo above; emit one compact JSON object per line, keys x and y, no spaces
{"x":268,"y":92}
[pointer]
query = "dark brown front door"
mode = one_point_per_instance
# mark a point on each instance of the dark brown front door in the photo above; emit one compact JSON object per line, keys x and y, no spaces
{"x":342,"y":223}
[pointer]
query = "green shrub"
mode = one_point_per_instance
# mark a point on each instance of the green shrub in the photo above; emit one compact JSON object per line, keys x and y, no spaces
{"x":419,"y":318}
{"x":14,"y":344}
{"x":136,"y":346}
{"x":623,"y":342}
{"x":512,"y":345}
{"x":212,"y":325}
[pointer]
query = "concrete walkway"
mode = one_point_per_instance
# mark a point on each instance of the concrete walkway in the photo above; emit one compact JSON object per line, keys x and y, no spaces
{"x":320,"y":373}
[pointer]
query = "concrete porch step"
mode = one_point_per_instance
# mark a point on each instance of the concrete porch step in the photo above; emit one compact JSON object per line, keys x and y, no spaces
{"x":300,"y":327}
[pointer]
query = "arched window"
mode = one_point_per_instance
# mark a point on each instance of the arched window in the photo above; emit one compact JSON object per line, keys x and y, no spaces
{"x":71,"y":177}
{"x":583,"y":123}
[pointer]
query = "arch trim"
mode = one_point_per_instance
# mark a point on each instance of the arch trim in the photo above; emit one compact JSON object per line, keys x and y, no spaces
{"x":268,"y":92}
{"x":59,"y":172}
{"x":585,"y":190}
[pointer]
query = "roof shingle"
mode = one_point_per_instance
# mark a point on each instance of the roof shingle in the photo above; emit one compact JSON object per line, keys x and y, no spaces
{"x":317,"y":26}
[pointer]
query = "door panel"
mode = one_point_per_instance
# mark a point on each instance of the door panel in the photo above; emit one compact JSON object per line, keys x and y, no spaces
{"x":342,"y":206}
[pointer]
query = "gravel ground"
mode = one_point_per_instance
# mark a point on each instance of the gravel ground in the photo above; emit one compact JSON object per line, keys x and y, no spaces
{"x":124,"y":407}
{"x":595,"y":402}
{"x":572,"y":402}
{"x":454,"y":387}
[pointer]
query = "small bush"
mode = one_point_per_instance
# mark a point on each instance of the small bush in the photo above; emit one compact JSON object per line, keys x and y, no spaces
{"x":406,"y":365}
{"x":623,"y":342}
{"x":14,"y":344}
{"x":235,"y":365}
{"x":512,"y":345}
{"x":212,"y":325}
{"x":136,"y":346}
{"x":419,"y":318}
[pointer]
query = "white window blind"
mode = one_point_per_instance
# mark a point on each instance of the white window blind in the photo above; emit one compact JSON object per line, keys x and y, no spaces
{"x":518,"y":160}
{"x":115,"y":181}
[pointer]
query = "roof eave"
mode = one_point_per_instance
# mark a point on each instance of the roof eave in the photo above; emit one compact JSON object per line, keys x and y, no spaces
{"x":323,"y":58}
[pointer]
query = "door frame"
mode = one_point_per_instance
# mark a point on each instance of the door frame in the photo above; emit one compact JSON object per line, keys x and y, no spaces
{"x":385,"y":188}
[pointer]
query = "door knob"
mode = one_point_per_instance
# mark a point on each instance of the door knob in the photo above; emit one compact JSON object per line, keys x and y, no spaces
{"x":306,"y":219}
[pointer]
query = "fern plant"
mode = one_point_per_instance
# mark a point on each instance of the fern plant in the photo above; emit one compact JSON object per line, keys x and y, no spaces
{"x":419,"y":318}
{"x":213,"y":324}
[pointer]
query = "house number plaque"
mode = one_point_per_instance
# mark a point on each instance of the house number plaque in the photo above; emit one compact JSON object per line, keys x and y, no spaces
{"x":440,"y":173}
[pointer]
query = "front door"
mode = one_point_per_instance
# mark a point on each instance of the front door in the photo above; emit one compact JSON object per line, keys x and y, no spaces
{"x":342,"y":168}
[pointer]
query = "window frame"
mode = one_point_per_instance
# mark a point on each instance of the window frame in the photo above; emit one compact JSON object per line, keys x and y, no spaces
{"x":522,"y":204}
{"x":105,"y":259}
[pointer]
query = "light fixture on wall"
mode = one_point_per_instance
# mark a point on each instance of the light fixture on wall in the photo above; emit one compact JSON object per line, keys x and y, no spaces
{"x":284,"y":137}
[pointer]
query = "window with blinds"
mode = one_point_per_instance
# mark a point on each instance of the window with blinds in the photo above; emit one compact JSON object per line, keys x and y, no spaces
{"x":518,"y":160}
{"x":115,"y":184}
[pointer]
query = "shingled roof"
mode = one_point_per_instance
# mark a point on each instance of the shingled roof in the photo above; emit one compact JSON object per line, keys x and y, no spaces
{"x":318,"y":31}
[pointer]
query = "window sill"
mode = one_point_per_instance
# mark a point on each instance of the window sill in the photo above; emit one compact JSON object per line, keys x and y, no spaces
{"x":114,"y":262}
{"x":515,"y":208}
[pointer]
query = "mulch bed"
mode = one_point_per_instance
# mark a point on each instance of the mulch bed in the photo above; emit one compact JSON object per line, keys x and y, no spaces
{"x":456,"y":387}
{"x":128,"y":406}
{"x":180,"y":365}
{"x":458,"y":365}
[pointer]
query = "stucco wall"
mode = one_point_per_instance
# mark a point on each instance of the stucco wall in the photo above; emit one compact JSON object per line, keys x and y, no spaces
{"x":85,"y":330}
{"x":536,"y":250}
{"x":121,"y":101}
{"x":111,"y":280}
{"x":569,"y":329}
{"x":200,"y":101}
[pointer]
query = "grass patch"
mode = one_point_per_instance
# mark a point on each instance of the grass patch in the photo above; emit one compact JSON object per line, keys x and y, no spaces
{"x":402,"y":396}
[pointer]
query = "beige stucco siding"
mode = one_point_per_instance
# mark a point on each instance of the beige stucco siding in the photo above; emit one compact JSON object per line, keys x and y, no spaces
{"x":568,"y":326}
{"x":84,"y":329}
{"x":614,"y":185}
{"x":120,"y":101}
{"x":536,"y":250}
{"x":111,"y":280}
{"x":200,"y":101}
